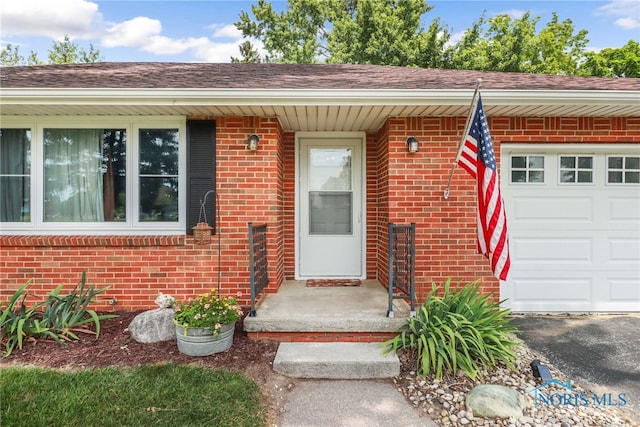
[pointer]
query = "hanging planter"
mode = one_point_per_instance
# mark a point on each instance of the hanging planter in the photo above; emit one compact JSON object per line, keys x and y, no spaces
{"x":202,"y":233}
{"x":202,"y":230}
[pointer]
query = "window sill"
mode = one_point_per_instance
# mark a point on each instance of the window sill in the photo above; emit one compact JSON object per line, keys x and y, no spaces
{"x":88,"y":241}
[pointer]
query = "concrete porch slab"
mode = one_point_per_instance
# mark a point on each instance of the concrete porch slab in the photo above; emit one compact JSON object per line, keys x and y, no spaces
{"x":335,"y":360}
{"x":298,"y":308}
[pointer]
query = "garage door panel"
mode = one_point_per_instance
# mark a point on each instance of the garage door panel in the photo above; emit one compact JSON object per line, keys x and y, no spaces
{"x":624,"y":290}
{"x":561,"y":288}
{"x":547,"y":294}
{"x":624,"y":251}
{"x":541,"y":251}
{"x":554,"y":210}
{"x":624,"y":210}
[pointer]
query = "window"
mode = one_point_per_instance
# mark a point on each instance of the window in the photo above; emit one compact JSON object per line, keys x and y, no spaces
{"x":94,"y":176}
{"x":84,"y":175}
{"x":158,"y":163}
{"x":623,"y":169}
{"x":527,"y":169}
{"x":15,"y":175}
{"x":576,"y":169}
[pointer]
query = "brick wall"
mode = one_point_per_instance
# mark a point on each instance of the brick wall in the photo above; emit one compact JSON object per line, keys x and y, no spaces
{"x":250,"y":188}
{"x":259,"y":187}
{"x":445,"y":229}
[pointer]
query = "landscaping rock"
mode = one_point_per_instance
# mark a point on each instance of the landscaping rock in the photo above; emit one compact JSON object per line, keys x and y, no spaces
{"x":153,"y":326}
{"x":495,"y":401}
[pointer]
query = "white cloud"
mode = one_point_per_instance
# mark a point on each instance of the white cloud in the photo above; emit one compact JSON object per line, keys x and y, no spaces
{"x":53,"y":19}
{"x":81,"y":19}
{"x":135,"y":32}
{"x":628,"y":23}
{"x":628,"y":12}
{"x":513,"y":13}
{"x":455,"y":38}
{"x":227,"y":31}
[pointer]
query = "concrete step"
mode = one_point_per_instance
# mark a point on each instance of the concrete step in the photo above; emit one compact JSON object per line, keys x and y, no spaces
{"x":335,"y":360}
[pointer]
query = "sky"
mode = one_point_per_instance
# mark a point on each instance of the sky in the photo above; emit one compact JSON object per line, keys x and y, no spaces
{"x":204,"y":31}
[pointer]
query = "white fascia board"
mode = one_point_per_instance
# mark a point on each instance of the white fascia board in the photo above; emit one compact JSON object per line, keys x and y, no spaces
{"x":292,"y":97}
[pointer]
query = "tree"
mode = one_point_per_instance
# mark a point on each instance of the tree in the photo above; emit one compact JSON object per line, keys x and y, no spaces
{"x":513,"y":45}
{"x":64,"y":52}
{"x":613,"y":62}
{"x":385,"y":32}
{"x":11,"y":55}
{"x":249,"y":54}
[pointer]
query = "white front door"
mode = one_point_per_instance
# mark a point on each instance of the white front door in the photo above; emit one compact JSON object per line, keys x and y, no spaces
{"x":329,"y":206}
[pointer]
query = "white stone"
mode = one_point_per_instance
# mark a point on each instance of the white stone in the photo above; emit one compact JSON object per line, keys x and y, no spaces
{"x":495,"y":401}
{"x":153,"y":326}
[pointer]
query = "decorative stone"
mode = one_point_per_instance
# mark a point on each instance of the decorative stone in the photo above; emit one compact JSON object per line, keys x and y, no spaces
{"x":153,"y":326}
{"x":165,"y":300}
{"x":495,"y":401}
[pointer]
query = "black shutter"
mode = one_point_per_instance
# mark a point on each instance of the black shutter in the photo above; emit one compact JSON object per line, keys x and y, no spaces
{"x":201,"y":171}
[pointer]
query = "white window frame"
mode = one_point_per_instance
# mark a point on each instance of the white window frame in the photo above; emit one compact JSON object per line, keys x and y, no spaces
{"x":576,"y":169}
{"x":623,"y":170}
{"x":527,"y":169}
{"x":132,"y":225}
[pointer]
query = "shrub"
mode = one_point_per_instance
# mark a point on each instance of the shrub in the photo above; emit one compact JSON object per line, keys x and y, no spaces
{"x":462,"y":329}
{"x":60,"y":320}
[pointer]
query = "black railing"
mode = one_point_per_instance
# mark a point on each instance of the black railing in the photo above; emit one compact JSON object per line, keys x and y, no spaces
{"x":402,"y":261}
{"x":258,"y":266}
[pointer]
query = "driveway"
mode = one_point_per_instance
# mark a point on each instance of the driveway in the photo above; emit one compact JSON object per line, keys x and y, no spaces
{"x":599,"y":352}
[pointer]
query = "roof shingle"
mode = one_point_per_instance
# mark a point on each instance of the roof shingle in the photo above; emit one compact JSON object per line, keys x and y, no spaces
{"x":148,"y":75}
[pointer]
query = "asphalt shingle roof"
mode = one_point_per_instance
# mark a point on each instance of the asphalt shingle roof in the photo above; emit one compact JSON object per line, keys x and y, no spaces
{"x":149,"y":75}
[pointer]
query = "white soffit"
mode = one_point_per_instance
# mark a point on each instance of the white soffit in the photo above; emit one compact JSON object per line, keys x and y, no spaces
{"x":316,"y":110}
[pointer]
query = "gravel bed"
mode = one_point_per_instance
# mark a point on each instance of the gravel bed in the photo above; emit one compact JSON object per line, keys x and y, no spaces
{"x":444,"y":400}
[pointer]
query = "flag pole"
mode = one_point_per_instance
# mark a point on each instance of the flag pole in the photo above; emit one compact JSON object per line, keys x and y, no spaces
{"x":464,"y":136}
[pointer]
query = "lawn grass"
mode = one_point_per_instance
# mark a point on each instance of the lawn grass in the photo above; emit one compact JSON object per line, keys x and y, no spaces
{"x":148,"y":395}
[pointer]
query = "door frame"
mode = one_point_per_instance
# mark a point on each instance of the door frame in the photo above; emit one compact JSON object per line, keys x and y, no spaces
{"x":363,"y":185}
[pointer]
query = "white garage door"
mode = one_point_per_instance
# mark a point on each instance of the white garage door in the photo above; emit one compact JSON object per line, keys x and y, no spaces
{"x":574,"y":226}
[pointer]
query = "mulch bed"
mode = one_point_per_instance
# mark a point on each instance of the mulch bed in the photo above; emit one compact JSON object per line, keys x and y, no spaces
{"x":115,"y":347}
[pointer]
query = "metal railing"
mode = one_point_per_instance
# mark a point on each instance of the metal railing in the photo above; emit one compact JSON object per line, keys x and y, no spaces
{"x":258,"y":267}
{"x":402,"y":261}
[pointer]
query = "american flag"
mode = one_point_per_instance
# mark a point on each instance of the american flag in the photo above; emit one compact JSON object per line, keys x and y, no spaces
{"x":478,"y":158}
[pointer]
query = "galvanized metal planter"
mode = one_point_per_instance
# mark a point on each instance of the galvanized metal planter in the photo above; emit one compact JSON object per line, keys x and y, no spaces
{"x":202,"y":341}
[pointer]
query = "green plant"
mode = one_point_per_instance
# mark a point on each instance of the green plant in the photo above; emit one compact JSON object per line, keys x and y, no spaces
{"x":462,"y":329}
{"x":60,"y":320}
{"x":18,"y":321}
{"x":209,"y":310}
{"x":68,"y":314}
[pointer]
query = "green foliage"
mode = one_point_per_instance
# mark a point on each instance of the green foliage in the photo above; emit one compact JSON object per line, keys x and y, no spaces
{"x":61,"y":319}
{"x":147,"y":395}
{"x":462,"y":329}
{"x":17,"y":320}
{"x":249,"y":54}
{"x":620,"y":62}
{"x":67,"y":52}
{"x":390,"y":32}
{"x":64,"y":52}
{"x":346,"y":31}
{"x":514,"y":45}
{"x":209,"y":310}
